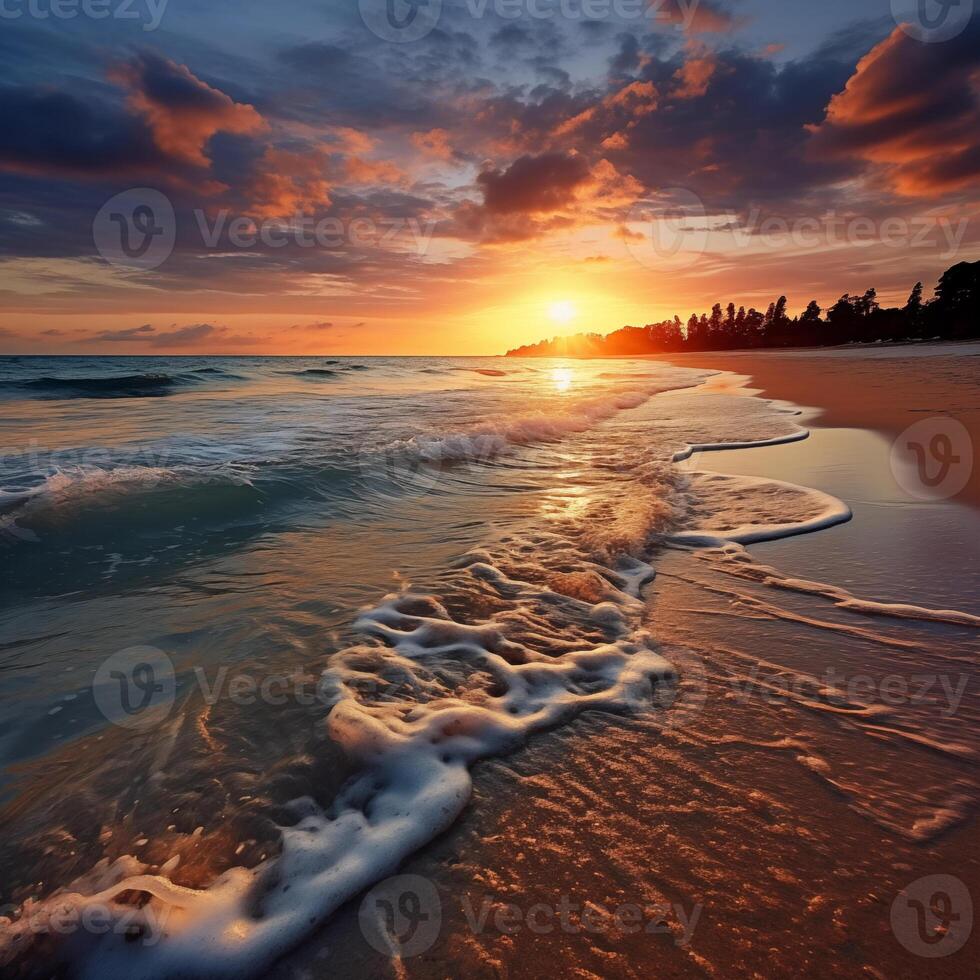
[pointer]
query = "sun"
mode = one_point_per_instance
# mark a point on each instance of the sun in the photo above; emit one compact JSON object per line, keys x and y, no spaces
{"x":563,"y":311}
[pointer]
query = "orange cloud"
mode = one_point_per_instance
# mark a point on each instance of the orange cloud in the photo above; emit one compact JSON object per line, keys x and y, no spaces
{"x":638,"y":98}
{"x":289,"y":183}
{"x":182,"y":112}
{"x":635,"y":100}
{"x":360,"y":171}
{"x":694,"y":76}
{"x":912,"y":112}
{"x":434,"y":143}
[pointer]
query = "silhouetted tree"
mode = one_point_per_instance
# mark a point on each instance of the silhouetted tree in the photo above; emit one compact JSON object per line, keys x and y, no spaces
{"x":954,"y":313}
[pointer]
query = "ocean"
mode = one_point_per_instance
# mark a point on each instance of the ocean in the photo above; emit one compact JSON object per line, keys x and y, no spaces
{"x":263,"y":615}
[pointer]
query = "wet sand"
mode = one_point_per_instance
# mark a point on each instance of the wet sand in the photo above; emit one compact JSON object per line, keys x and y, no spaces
{"x":761,"y":825}
{"x":882,"y":388}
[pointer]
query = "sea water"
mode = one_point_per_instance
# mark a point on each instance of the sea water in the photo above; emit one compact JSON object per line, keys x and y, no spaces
{"x":339,"y":582}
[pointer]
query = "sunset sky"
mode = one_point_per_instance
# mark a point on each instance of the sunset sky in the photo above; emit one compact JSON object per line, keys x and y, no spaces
{"x":496,"y":181}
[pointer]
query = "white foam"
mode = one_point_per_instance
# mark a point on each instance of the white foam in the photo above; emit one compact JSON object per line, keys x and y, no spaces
{"x":412,"y":753}
{"x":489,"y":441}
{"x":413,"y":779}
{"x":827,"y":511}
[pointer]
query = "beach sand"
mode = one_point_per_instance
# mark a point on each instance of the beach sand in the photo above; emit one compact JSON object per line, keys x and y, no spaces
{"x":882,"y":388}
{"x":762,"y":825}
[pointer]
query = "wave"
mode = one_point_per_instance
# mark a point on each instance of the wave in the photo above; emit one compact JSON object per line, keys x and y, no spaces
{"x":218,"y":372}
{"x":412,"y":755}
{"x":423,"y":695}
{"x":120,"y":386}
{"x":93,"y":485}
{"x":489,"y":441}
{"x":327,"y":372}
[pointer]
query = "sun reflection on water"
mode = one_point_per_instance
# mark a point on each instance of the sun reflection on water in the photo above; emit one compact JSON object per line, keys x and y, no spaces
{"x":562,"y":377}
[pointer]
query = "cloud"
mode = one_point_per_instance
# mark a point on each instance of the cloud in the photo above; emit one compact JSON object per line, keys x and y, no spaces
{"x":434,"y":143}
{"x":911,"y":114}
{"x":722,"y":113}
{"x":285,"y":183}
{"x":190,"y":336}
{"x":182,"y":112}
{"x":186,"y":335}
{"x":694,"y":76}
{"x":144,"y":332}
{"x":47,"y":132}
{"x":533,"y":184}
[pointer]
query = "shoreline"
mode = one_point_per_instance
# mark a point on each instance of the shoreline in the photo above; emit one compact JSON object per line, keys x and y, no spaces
{"x":709,"y":810}
{"x":856,"y":388}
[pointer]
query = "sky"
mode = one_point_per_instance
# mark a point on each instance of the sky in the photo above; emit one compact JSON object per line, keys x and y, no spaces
{"x":465,"y":176}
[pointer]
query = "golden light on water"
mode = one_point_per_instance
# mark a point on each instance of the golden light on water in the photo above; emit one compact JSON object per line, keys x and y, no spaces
{"x":562,"y":377}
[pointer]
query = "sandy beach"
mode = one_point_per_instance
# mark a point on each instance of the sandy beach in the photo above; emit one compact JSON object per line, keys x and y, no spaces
{"x":885,"y":388}
{"x":773,"y":824}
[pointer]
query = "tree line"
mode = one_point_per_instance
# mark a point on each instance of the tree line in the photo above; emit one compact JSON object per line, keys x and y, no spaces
{"x":952,"y":314}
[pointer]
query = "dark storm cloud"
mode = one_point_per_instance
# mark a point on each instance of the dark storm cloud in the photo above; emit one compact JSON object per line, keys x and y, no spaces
{"x":51,"y":132}
{"x":533,"y":184}
{"x":728,"y":125}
